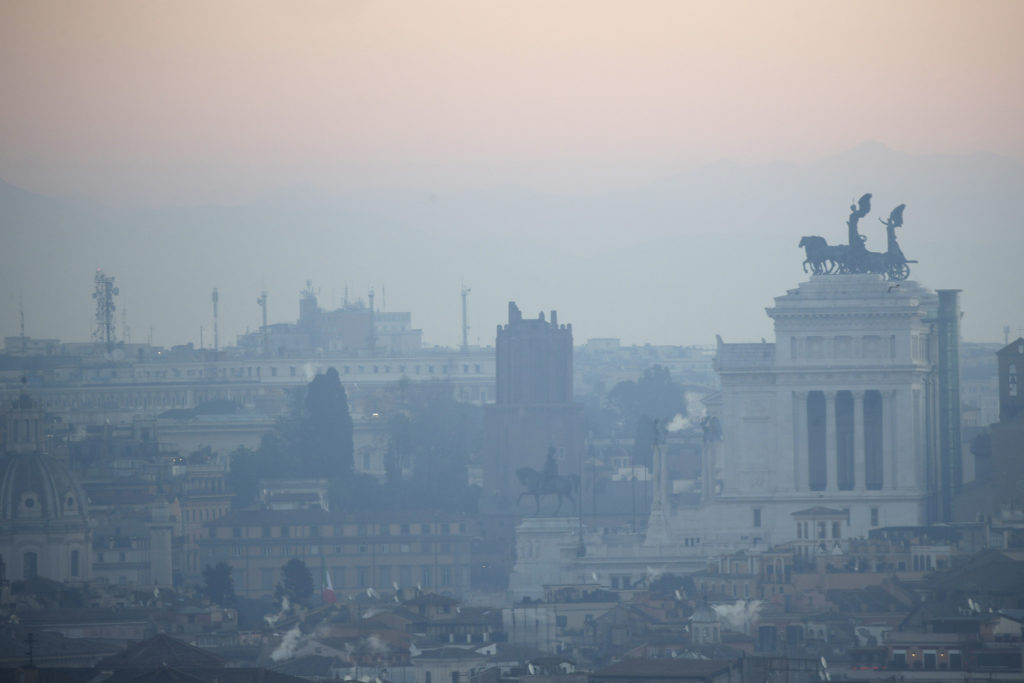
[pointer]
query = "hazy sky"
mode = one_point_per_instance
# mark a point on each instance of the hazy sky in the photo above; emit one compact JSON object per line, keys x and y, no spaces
{"x":545,"y":130}
{"x":184,"y":102}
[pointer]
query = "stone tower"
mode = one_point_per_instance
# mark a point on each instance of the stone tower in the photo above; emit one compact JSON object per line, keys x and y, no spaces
{"x":533,"y":411}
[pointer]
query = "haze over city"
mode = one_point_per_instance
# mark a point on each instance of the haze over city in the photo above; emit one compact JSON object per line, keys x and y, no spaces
{"x":647,"y":168}
{"x":572,"y":341}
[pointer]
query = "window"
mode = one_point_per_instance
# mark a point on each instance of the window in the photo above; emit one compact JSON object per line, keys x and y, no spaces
{"x":874,"y":516}
{"x":426,"y":576}
{"x":835,"y":529}
{"x":757,"y":517}
{"x":30,"y":565}
{"x":74,"y":563}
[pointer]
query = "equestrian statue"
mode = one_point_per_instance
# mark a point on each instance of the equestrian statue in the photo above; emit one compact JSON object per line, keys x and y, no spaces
{"x":548,"y":483}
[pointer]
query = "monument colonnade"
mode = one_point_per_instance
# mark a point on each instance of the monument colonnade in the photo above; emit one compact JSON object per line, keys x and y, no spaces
{"x":843,"y":439}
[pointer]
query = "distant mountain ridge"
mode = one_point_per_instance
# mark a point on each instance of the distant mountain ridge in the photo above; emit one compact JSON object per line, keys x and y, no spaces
{"x":675,"y":261}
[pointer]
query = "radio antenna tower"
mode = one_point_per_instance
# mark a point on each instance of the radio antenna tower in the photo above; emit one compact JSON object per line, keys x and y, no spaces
{"x":104,"y":292}
{"x":20,"y":315}
{"x":465,"y":324}
{"x":216,"y":297}
{"x":126,"y":331}
{"x":262,"y":301}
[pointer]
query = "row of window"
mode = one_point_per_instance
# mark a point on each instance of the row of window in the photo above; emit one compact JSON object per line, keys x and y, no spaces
{"x":804,"y":531}
{"x":30,"y":564}
{"x":360,"y":531}
{"x":868,"y":346}
{"x":268,"y":549}
{"x":381,"y":577}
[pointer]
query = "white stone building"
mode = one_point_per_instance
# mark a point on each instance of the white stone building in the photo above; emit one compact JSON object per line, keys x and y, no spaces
{"x":830,"y":431}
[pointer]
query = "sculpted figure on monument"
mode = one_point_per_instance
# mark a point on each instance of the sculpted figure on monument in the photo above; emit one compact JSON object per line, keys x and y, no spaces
{"x":547,"y":483}
{"x":854,"y":257}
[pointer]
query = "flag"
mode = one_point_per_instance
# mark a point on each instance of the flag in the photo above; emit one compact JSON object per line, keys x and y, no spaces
{"x":328,"y":592}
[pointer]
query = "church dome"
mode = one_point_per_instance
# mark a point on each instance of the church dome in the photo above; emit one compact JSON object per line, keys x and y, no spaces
{"x":36,"y":487}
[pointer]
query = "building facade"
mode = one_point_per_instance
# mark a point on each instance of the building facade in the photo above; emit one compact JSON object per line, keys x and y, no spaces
{"x":378,"y":551}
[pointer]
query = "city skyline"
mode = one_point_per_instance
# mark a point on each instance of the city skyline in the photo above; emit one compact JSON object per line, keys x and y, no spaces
{"x":647,"y":169}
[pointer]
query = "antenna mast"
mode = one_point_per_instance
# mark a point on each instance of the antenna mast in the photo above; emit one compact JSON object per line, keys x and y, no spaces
{"x":215,"y":297}
{"x":465,"y":324}
{"x":104,"y":292}
{"x":262,"y":301}
{"x":20,"y":314}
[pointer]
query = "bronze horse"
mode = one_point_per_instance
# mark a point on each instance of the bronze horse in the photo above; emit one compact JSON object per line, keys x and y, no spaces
{"x":538,"y":485}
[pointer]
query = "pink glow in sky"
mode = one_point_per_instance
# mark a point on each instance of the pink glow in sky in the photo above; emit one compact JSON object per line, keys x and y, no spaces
{"x":153,"y":102}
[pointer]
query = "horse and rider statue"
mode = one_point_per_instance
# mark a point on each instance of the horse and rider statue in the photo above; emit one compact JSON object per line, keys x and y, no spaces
{"x":823,"y":258}
{"x":548,"y":482}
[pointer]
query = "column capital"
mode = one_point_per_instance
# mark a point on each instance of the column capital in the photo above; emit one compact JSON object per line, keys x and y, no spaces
{"x":858,"y":393}
{"x":801,"y":395}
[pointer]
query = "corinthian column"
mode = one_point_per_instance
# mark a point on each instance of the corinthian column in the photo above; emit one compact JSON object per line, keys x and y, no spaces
{"x":859,"y":471}
{"x":800,"y":455}
{"x":831,"y":458}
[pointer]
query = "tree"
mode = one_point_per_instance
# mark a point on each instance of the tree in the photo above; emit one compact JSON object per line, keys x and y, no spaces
{"x":667,"y":585}
{"x":314,"y":440}
{"x":326,"y":428}
{"x":432,"y":436}
{"x":654,"y":396}
{"x":218,"y":586}
{"x":296,"y":581}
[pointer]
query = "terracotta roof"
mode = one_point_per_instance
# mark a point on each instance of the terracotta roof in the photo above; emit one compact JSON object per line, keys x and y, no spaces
{"x":162,"y":650}
{"x":674,"y":669}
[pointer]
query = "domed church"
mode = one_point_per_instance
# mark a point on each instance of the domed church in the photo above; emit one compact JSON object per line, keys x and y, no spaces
{"x":44,"y":527}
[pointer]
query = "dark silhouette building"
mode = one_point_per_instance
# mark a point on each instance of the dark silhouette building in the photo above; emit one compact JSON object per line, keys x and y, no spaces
{"x":534,"y":411}
{"x":1008,"y":433}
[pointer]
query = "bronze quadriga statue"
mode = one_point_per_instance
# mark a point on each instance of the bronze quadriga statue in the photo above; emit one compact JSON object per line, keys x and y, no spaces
{"x":823,"y":258}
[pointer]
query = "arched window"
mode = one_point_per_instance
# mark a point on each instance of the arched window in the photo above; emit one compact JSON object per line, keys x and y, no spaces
{"x":30,"y":565}
{"x":74,"y":563}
